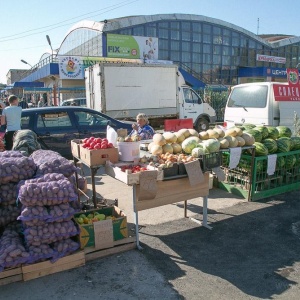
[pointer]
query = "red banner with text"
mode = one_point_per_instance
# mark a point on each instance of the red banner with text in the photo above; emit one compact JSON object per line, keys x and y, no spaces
{"x":289,"y":91}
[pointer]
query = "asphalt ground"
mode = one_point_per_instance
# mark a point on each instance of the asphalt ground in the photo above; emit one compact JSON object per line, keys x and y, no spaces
{"x":252,"y":252}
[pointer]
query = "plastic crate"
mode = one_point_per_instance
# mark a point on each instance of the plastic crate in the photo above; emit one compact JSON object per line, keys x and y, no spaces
{"x":171,"y":171}
{"x":211,"y":160}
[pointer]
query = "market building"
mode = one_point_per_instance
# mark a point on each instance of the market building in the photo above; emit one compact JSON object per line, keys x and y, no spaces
{"x":208,"y":51}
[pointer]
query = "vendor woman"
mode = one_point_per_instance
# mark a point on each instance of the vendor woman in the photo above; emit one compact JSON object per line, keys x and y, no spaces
{"x":142,"y":127}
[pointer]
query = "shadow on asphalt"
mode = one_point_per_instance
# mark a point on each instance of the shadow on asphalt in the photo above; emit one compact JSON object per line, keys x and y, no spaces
{"x":254,"y":251}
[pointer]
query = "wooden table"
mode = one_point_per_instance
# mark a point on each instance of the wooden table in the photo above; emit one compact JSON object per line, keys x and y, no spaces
{"x":172,"y":191}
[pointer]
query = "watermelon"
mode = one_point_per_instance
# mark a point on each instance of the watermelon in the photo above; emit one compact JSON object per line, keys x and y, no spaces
{"x":280,"y":162}
{"x":255,"y":133}
{"x":248,"y":126}
{"x":273,"y":132}
{"x":296,"y":142}
{"x":284,"y":131}
{"x":271,"y":145}
{"x":263,"y":130}
{"x":260,"y":149}
{"x":283,"y":144}
{"x":290,"y":161}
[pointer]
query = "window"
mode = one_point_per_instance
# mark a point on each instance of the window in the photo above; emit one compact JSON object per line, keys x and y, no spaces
{"x":90,"y":119}
{"x":49,"y":120}
{"x":25,"y":122}
{"x":186,"y":46}
{"x":186,"y":26}
{"x":175,"y":45}
{"x":163,"y":33}
{"x":252,"y":96}
{"x":174,"y":34}
{"x":186,"y":36}
{"x":191,"y":97}
{"x":196,"y":37}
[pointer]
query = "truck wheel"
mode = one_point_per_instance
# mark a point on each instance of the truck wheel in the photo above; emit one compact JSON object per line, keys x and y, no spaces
{"x":202,"y":125}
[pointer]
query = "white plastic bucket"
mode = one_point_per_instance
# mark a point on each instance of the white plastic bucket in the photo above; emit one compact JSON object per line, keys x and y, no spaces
{"x":128,"y":151}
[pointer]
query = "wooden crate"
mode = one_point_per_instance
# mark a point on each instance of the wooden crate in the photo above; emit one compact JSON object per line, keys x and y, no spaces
{"x":119,"y":246}
{"x":46,"y":267}
{"x":11,"y":275}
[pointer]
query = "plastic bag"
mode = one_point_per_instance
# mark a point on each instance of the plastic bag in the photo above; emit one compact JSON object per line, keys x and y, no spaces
{"x":111,"y":135}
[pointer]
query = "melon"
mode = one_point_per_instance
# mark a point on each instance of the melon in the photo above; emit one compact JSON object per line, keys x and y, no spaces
{"x":180,"y":137}
{"x":284,"y":131}
{"x":203,"y":135}
{"x":290,"y":161}
{"x":156,"y":149}
{"x":159,"y":139}
{"x":150,"y":145}
{"x":271,"y":145}
{"x":249,"y":139}
{"x":233,"y":142}
{"x":170,"y":137}
{"x":260,"y":149}
{"x":176,"y":148}
{"x":255,"y":133}
{"x":212,"y":134}
{"x":296,"y":142}
{"x":230,"y":132}
{"x":219,"y":131}
{"x":283,"y":144}
{"x":198,"y":152}
{"x":223,"y":143}
{"x":263,"y":130}
{"x":241,"y":141}
{"x":185,"y":132}
{"x":273,"y":132}
{"x":212,"y":145}
{"x":193,"y":132}
{"x":189,"y":144}
{"x":167,"y":148}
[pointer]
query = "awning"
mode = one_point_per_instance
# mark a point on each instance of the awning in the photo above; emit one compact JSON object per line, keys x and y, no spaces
{"x":22,"y":84}
{"x":37,"y":89}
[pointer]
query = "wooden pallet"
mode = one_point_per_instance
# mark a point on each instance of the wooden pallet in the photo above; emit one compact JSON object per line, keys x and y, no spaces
{"x":11,"y":275}
{"x":46,"y":267}
{"x":119,"y":246}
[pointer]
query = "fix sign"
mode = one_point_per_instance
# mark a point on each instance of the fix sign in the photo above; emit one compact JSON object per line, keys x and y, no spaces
{"x":289,"y":91}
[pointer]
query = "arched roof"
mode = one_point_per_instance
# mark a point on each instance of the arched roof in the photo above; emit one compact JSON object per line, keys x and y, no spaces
{"x":123,"y":22}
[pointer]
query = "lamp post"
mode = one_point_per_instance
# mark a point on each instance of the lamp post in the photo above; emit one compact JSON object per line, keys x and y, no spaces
{"x":52,"y":77}
{"x":26,"y":63}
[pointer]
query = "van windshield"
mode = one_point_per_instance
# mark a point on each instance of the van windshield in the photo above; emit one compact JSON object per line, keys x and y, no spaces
{"x":249,"y":96}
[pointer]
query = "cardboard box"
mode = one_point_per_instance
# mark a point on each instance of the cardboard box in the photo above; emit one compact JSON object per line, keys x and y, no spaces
{"x":102,"y":234}
{"x":75,"y":147}
{"x":99,"y":156}
{"x":114,"y":170}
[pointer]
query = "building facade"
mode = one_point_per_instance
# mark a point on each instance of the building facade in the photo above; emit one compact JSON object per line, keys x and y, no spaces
{"x":211,"y":49}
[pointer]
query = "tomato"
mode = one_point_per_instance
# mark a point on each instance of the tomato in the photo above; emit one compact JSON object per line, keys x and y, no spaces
{"x":105,"y":140}
{"x":110,"y":145}
{"x":85,"y":140}
{"x":103,"y":145}
{"x":85,"y":145}
{"x":97,"y":146}
{"x":98,"y":140}
{"x":92,"y":145}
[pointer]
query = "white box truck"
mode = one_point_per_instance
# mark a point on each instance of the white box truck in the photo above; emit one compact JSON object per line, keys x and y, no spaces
{"x":263,"y":103}
{"x":123,"y":90}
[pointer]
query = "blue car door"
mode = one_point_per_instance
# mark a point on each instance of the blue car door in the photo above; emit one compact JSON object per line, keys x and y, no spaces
{"x":91,"y":124}
{"x":56,"y":130}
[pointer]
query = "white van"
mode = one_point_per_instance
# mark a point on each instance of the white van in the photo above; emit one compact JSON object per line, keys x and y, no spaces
{"x":255,"y":103}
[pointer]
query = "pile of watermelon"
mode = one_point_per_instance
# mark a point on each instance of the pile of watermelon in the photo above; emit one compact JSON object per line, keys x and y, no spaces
{"x":271,"y":140}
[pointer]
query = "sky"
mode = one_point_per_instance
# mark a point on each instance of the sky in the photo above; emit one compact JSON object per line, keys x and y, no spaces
{"x":25,"y":24}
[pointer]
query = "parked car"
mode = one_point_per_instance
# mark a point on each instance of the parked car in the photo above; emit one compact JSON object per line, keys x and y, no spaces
{"x":74,"y":102}
{"x":56,"y":126}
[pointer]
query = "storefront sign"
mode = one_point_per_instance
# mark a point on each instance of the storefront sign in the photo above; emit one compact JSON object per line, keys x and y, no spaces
{"x":286,"y":92}
{"x":70,"y":67}
{"x":275,"y":59}
{"x":125,"y":46}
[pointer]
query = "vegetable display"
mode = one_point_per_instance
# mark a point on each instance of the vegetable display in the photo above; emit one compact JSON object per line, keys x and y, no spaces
{"x":48,"y":161}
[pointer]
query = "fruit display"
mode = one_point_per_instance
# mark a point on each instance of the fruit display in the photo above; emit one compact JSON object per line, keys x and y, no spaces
{"x":93,"y":143}
{"x":129,"y":138}
{"x":91,"y":217}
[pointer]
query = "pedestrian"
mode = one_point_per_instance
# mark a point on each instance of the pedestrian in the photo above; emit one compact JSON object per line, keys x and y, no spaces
{"x":23,"y":103}
{"x":11,"y":116}
{"x":41,"y":102}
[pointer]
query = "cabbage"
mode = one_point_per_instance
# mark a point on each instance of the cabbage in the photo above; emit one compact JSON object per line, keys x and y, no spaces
{"x":189,"y":144}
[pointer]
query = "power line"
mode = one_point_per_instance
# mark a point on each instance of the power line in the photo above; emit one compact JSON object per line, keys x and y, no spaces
{"x":112,"y":7}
